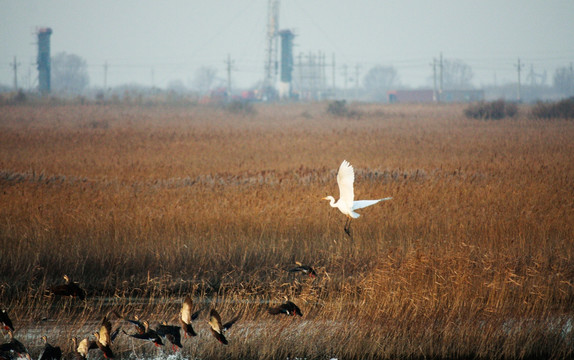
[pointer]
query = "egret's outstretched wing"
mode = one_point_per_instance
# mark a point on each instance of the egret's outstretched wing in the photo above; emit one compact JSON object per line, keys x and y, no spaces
{"x":345,"y":179}
{"x":359,"y":204}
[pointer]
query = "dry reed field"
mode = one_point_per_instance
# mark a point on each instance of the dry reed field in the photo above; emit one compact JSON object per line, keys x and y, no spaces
{"x":472,"y":258}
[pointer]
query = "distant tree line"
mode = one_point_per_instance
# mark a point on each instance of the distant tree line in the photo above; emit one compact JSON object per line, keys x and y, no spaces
{"x":69,"y":73}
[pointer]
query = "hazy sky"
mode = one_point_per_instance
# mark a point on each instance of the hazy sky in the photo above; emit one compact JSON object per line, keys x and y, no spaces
{"x":155,"y":42}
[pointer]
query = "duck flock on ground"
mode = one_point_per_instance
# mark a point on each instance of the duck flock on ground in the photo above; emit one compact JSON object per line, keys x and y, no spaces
{"x":104,"y":336}
{"x":102,"y":339}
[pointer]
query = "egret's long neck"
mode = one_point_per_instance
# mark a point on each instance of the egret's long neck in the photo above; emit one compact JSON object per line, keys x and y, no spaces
{"x":332,"y":201}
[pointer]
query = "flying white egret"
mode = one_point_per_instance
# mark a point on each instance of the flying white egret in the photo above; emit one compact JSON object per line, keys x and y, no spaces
{"x":346,"y":203}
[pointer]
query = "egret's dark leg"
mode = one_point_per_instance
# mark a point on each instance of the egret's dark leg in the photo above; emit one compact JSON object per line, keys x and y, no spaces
{"x":348,"y":227}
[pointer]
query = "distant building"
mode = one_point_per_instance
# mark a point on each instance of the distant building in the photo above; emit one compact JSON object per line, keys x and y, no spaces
{"x":461,"y":96}
{"x":410,"y":96}
{"x":429,"y":96}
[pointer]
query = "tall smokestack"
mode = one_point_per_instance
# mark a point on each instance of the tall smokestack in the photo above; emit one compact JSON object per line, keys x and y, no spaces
{"x":286,"y":63}
{"x":44,"y":59}
{"x":268,"y":87}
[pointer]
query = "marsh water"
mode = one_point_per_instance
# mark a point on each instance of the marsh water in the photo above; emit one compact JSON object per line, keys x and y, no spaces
{"x":241,"y":336}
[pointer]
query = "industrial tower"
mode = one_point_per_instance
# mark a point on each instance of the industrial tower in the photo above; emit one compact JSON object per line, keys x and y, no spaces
{"x":43,"y":60}
{"x":268,"y":88}
{"x":286,"y":78}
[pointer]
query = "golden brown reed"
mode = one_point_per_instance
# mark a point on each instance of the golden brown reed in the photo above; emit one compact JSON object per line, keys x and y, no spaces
{"x":472,"y":257}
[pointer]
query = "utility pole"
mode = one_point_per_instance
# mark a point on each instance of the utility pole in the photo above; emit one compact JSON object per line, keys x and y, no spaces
{"x":333,"y":75}
{"x":345,"y":79}
{"x":434,"y":93}
{"x":15,"y":68}
{"x":441,"y":68}
{"x":357,"y":70}
{"x":105,"y":76}
{"x":518,"y":68}
{"x":323,"y":73}
{"x":312,"y":75}
{"x":29,"y":78}
{"x":302,"y":75}
{"x":229,"y":65}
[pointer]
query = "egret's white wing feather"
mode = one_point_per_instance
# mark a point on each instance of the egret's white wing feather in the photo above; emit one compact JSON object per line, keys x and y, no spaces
{"x":345,"y":179}
{"x":359,"y":204}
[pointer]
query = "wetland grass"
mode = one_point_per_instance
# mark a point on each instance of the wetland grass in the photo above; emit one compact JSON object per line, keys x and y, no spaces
{"x":473,"y":257}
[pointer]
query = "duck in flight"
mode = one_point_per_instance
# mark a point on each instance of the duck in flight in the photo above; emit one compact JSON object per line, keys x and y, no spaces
{"x":186,"y":317}
{"x":305,"y":269}
{"x":288,"y":308}
{"x":217,"y":328}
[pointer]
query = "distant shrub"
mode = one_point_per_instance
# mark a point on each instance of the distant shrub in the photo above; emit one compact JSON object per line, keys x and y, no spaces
{"x":241,"y":108}
{"x":100,"y":97}
{"x":563,"y":109}
{"x":20,"y":97}
{"x":491,"y":110}
{"x":306,"y":114}
{"x":97,"y":124}
{"x":339,"y":108}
